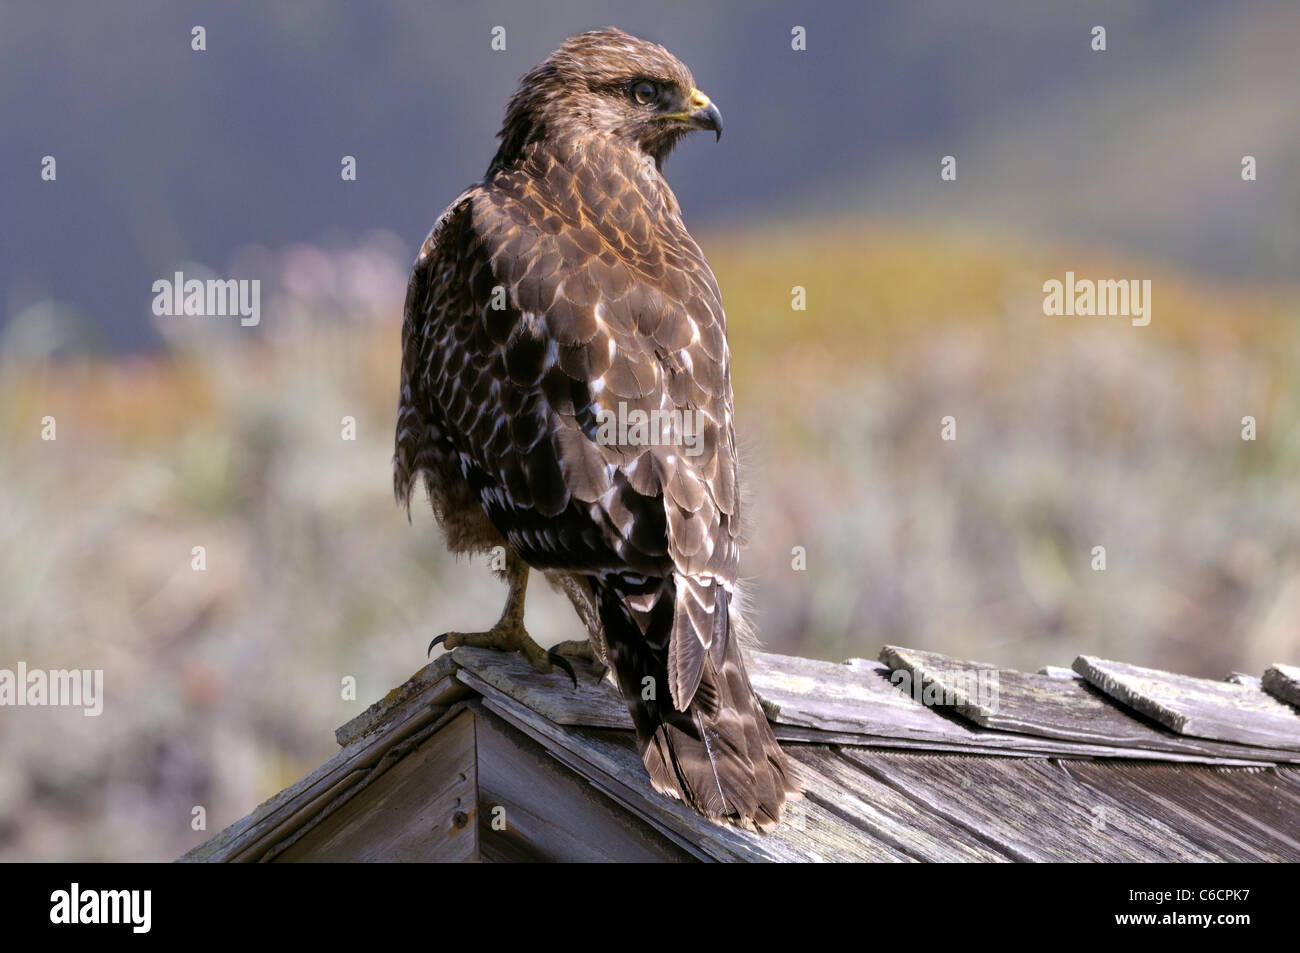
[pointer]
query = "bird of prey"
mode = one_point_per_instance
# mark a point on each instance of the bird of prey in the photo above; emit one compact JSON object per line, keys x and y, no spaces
{"x":566,"y":395}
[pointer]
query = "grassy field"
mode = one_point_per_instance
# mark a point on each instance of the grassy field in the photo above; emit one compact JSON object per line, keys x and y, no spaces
{"x":224,"y":685}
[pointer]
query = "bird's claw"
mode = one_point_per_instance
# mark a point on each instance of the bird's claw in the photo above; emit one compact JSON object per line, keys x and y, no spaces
{"x":534,"y":656}
{"x":559,"y":661}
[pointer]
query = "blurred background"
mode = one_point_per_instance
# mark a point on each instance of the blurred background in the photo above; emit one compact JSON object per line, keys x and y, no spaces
{"x":924,"y":299}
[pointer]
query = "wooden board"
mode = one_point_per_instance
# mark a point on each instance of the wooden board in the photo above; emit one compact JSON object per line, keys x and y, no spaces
{"x":1201,"y":707}
{"x":594,"y":702}
{"x":1047,"y":706}
{"x":531,"y":807}
{"x":1237,"y":815}
{"x":850,"y":698}
{"x":1283,"y":683}
{"x":422,"y":810}
{"x":1029,"y":810}
{"x":434,"y":682}
{"x":884,"y":814}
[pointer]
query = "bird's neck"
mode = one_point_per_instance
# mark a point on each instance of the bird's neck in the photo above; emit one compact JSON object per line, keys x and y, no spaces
{"x":592,"y":164}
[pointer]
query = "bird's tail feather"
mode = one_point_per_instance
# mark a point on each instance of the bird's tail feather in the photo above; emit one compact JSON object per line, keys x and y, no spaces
{"x":718,"y":754}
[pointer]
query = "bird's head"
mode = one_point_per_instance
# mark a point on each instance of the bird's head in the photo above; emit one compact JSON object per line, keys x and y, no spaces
{"x":611,"y":83}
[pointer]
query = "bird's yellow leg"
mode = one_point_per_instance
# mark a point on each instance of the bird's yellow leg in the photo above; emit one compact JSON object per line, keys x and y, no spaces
{"x":509,"y":634}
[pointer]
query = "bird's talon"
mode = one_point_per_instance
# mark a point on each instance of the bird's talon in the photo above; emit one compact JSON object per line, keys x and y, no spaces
{"x":510,"y":638}
{"x":559,"y":661}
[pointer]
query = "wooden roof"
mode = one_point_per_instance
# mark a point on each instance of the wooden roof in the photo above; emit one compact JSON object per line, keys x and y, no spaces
{"x":915,"y":757}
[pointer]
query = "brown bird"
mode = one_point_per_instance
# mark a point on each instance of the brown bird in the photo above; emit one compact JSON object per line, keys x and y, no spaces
{"x":566,"y":396}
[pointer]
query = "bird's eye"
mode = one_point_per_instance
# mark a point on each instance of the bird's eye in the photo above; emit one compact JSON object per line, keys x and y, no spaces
{"x":645,"y":92}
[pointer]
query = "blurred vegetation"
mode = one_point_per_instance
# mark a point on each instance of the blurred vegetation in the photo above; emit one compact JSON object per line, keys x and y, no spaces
{"x":223,"y":686}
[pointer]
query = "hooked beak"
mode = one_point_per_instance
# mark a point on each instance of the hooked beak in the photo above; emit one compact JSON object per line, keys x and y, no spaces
{"x":703,"y":114}
{"x":699,"y":113}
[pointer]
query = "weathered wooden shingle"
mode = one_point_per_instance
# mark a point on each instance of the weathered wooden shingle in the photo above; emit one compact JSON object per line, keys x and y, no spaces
{"x":850,"y":699}
{"x":435,"y":684}
{"x":1046,"y":706}
{"x":409,"y":813}
{"x":883,"y":813}
{"x":1201,"y":707}
{"x":593,"y":702}
{"x":1234,"y":814}
{"x":1282,"y":682}
{"x":1030,"y":810}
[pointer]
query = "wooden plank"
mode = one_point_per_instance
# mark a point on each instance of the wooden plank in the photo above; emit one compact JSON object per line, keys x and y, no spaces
{"x":1283,"y":683}
{"x":594,"y":702}
{"x":422,"y":810}
{"x":851,"y":698}
{"x":279,"y":838}
{"x":531,"y":807}
{"x":1068,"y":709}
{"x":608,"y":758}
{"x":434,"y":680}
{"x":1200,"y":707}
{"x":884,"y":814}
{"x":997,"y":744}
{"x":1236,"y":814}
{"x":1030,"y":809}
{"x":1039,"y":748}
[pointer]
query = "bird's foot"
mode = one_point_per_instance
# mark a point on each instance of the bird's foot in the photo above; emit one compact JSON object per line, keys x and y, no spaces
{"x":509,"y":636}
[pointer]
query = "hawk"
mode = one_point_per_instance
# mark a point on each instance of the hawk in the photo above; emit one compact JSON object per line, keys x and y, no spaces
{"x":566,"y":395}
